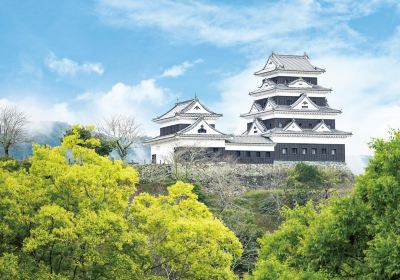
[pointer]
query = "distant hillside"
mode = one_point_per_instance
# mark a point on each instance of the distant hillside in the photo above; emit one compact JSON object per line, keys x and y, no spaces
{"x":52,"y":134}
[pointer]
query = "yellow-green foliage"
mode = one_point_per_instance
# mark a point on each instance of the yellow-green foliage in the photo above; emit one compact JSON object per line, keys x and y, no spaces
{"x":353,"y":237}
{"x":68,"y":217}
{"x":183,"y":236}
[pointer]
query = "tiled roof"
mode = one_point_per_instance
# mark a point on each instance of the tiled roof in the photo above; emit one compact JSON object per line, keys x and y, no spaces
{"x":249,"y":139}
{"x":288,"y":108}
{"x":286,"y":87}
{"x":285,"y":62}
{"x":179,"y":106}
{"x":278,"y":130}
{"x":294,"y":62}
{"x":260,"y":123}
{"x":182,"y":107}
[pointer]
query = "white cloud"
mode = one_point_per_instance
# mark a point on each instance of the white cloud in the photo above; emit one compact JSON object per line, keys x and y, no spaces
{"x":142,"y":100}
{"x":180,"y":69}
{"x":66,"y":66}
{"x":256,"y":24}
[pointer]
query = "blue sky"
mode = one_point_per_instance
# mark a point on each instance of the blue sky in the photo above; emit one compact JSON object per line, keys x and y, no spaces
{"x":80,"y":61}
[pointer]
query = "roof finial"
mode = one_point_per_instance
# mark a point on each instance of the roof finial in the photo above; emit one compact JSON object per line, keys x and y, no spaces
{"x":305,"y":54}
{"x":177,"y":100}
{"x":195,"y":96}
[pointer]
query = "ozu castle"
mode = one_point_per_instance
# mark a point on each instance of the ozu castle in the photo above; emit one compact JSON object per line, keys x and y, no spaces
{"x":289,"y":120}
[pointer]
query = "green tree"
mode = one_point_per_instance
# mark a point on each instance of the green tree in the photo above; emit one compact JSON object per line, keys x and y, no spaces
{"x":103,"y":148}
{"x":183,"y":239}
{"x":354,"y":237}
{"x":68,"y":216}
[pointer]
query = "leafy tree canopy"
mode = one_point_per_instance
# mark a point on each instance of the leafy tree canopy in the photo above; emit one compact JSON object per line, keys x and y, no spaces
{"x":68,"y":216}
{"x":101,"y":144}
{"x":355,"y":237}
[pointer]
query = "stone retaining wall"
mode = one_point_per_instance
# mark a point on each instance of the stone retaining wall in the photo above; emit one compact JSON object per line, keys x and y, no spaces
{"x":235,"y":178}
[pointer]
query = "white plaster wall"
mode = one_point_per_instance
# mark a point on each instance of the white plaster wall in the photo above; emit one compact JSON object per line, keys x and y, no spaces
{"x":165,"y":150}
{"x":209,"y":129}
{"x":201,"y":109}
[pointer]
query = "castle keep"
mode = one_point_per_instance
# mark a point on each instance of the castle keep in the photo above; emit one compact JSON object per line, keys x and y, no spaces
{"x":289,"y":120}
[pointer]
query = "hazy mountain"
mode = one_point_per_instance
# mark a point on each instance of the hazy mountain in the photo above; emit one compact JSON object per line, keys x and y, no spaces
{"x":51,"y":133}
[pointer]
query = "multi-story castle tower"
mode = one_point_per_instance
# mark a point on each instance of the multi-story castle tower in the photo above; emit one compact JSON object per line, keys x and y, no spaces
{"x":290,"y":120}
{"x":292,"y":110}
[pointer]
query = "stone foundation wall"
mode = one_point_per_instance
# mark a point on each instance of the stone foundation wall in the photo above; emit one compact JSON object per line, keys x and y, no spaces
{"x":234,"y":178}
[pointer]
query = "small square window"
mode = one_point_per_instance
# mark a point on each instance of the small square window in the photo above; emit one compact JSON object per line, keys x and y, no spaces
{"x":248,"y":154}
{"x":323,"y":151}
{"x":333,"y":152}
{"x":304,"y":151}
{"x":267,"y":154}
{"x":238,"y":153}
{"x":294,"y":151}
{"x":314,"y":151}
{"x":258,"y":154}
{"x":215,"y":150}
{"x":284,"y":151}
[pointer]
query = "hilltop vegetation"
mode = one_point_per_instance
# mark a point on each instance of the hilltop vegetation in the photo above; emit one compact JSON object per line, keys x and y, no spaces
{"x":352,"y":237}
{"x":67,"y":215}
{"x":70,"y":213}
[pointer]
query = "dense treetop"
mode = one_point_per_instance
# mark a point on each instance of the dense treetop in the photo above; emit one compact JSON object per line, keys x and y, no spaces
{"x":68,"y":215}
{"x":356,"y":237}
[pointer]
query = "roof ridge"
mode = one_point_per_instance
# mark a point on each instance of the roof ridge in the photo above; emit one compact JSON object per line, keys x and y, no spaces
{"x":291,"y":55}
{"x":185,"y":101}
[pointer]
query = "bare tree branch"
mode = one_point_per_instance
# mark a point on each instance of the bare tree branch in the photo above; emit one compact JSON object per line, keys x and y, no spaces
{"x":12,"y":127}
{"x":123,"y":131}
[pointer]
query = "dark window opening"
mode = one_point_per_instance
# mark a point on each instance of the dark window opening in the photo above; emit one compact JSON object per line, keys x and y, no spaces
{"x":215,"y":150}
{"x":238,"y":153}
{"x":304,"y":151}
{"x":314,"y":151}
{"x":323,"y":151}
{"x":288,"y":101}
{"x":284,"y":151}
{"x":258,"y":154}
{"x":201,"y":130}
{"x":267,"y":154}
{"x":153,"y":158}
{"x":247,"y":154}
{"x":294,"y":151}
{"x":310,"y":125}
{"x":300,"y":124}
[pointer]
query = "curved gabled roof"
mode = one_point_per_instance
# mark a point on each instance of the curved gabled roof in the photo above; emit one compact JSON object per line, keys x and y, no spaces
{"x":193,"y":125}
{"x":183,"y":109}
{"x":286,"y":62}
